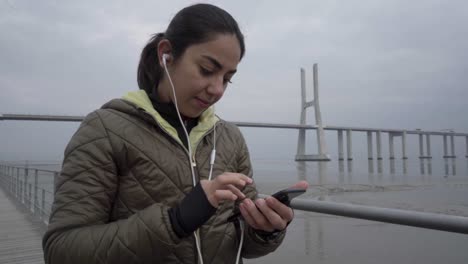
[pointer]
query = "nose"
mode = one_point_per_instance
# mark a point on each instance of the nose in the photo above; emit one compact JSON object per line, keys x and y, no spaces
{"x":216,"y":87}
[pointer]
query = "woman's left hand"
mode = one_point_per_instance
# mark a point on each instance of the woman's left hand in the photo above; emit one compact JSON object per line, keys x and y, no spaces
{"x":268,"y":214}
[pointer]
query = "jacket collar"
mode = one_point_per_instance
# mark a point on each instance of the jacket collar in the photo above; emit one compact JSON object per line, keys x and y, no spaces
{"x":205,"y":122}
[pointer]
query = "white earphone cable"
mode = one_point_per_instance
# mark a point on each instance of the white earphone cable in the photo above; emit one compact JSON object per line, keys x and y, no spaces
{"x":241,"y":224}
{"x":197,"y":239}
{"x":192,"y":165}
{"x":181,"y":122}
{"x":213,"y":153}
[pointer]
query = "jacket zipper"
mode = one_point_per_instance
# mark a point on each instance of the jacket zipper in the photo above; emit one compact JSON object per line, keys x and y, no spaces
{"x":192,"y":161}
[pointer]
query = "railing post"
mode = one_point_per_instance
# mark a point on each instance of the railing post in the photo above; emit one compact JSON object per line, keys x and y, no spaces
{"x":7,"y":175}
{"x":369,"y":145}
{"x":36,"y":203}
{"x":7,"y":171}
{"x":12,"y":176}
{"x":17,"y":184}
{"x":25,"y":187}
{"x":349,"y":144}
{"x":21,"y":191}
{"x":340,"y":145}
{"x":29,"y":196}
{"x":43,"y":206}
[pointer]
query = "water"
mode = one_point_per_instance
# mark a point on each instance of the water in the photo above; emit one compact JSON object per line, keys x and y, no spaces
{"x":438,"y":185}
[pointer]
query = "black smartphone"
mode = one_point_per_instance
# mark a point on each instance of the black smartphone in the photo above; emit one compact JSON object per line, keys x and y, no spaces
{"x":284,"y":196}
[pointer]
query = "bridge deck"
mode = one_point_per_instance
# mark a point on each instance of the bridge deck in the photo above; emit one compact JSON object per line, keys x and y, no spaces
{"x":20,"y":235}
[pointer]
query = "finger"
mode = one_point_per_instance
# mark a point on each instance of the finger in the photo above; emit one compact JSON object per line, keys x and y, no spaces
{"x":221,"y":195}
{"x":247,"y":217}
{"x":285,"y":212}
{"x":236,"y":191}
{"x":241,"y":176}
{"x":275,"y":220}
{"x":300,"y":185}
{"x":257,"y":216}
{"x":237,"y":179}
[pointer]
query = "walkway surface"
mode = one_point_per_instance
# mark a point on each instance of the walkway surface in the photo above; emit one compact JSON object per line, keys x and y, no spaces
{"x":20,"y":234}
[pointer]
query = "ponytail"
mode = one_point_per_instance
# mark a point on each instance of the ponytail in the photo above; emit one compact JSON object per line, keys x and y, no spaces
{"x":149,"y":71}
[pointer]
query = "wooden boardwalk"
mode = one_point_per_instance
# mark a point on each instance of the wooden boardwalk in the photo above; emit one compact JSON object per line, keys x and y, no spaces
{"x":20,"y":234}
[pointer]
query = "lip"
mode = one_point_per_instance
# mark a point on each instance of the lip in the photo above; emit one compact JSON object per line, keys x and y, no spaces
{"x":202,"y":103}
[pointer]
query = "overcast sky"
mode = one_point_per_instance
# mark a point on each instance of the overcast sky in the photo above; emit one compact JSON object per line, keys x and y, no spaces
{"x":389,"y":64}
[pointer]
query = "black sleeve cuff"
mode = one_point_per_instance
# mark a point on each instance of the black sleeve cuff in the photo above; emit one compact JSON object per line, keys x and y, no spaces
{"x":192,"y":212}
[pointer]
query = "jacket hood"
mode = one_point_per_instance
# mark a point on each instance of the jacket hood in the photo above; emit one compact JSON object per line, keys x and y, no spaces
{"x":135,"y":101}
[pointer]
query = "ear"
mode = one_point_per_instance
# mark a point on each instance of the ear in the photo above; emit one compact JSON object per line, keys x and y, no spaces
{"x":164,"y":47}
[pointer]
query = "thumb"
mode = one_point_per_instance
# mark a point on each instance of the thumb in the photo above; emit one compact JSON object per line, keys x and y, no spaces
{"x":300,"y":185}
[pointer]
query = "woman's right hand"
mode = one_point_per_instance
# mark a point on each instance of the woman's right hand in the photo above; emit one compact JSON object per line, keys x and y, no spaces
{"x":226,"y":186}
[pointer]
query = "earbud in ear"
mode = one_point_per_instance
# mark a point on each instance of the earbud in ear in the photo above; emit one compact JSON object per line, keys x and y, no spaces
{"x":165,"y":57}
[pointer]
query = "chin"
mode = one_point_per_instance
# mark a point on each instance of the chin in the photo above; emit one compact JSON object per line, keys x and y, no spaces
{"x":192,"y":114}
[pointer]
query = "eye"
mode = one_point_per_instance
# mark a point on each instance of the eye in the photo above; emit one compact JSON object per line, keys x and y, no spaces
{"x":226,"y":81}
{"x":205,"y":72}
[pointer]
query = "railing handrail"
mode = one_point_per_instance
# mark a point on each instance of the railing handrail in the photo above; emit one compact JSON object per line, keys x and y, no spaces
{"x":30,"y":168}
{"x":65,"y":118}
{"x":443,"y":222}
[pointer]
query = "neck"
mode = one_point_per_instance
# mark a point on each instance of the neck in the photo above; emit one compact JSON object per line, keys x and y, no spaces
{"x":164,"y":91}
{"x":166,"y":104}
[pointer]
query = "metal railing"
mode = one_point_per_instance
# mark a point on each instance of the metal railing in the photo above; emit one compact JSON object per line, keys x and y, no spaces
{"x":450,"y":223}
{"x":424,"y":149}
{"x":37,"y":200}
{"x":24,"y":185}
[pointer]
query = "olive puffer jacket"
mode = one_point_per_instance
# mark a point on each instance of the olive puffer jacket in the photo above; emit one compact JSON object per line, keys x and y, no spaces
{"x":123,"y":169}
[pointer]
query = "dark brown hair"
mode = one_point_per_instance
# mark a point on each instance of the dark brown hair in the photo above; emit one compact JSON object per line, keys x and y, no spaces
{"x":192,"y":25}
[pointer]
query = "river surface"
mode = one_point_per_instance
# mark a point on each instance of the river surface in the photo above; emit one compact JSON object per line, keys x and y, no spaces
{"x":437,"y":185}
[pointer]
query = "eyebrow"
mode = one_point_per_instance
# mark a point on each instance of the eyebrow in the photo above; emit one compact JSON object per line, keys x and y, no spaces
{"x":216,"y":63}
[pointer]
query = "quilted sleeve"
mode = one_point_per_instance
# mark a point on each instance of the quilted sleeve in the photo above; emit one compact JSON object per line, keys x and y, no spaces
{"x":254,"y":246}
{"x":79,"y":230}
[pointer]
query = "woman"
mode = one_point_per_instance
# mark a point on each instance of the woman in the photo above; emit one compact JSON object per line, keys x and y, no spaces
{"x":154,"y":176}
